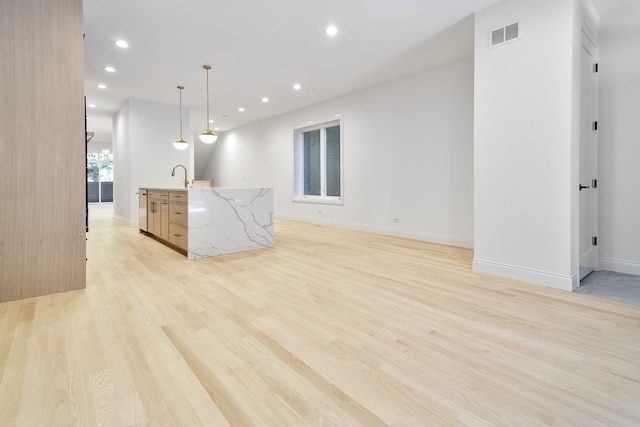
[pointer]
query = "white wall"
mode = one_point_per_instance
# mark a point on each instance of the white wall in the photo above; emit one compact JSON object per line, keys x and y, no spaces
{"x":99,"y":146}
{"x":121,"y":165}
{"x":619,"y":141}
{"x":524,"y":97}
{"x":144,"y":154}
{"x":408,"y":154}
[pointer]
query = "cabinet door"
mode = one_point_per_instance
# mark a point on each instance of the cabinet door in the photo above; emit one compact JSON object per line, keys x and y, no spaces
{"x":178,"y":235}
{"x":163,"y":232}
{"x":178,"y":213}
{"x":152,"y":208}
{"x":178,"y":196}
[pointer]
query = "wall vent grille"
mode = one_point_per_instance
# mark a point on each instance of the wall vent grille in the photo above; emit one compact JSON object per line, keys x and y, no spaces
{"x":504,"y":34}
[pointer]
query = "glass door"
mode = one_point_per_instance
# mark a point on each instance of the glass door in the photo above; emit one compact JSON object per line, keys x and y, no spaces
{"x":100,"y":177}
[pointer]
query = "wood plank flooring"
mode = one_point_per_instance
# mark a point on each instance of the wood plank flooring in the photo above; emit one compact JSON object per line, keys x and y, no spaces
{"x":330,"y":327}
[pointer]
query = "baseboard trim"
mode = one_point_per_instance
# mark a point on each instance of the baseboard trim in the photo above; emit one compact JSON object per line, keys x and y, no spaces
{"x":388,"y":231}
{"x":620,"y":266}
{"x":125,"y":221}
{"x":537,"y":277}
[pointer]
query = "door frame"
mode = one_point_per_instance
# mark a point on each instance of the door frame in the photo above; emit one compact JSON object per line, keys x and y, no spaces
{"x":589,"y":45}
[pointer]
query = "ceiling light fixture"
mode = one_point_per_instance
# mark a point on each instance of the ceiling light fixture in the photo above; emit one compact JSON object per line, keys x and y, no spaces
{"x":101,"y":86}
{"x":91,"y":105}
{"x":265,"y":99}
{"x":121,"y":43}
{"x":297,"y":87}
{"x":331,"y":30}
{"x":109,"y":69}
{"x":241,"y":109}
{"x":180,"y":143}
{"x":207,"y":136}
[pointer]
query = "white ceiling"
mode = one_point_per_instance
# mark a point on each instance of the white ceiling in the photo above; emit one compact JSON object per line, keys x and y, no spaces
{"x":261,"y":48}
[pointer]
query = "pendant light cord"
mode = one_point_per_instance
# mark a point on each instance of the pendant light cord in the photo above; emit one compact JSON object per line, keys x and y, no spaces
{"x":207,"y":67}
{"x":180,"y":87}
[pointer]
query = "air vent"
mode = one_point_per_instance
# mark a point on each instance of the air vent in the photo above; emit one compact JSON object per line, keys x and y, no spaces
{"x":504,"y":34}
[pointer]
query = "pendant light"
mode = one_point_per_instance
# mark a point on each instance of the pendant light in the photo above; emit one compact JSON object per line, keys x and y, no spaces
{"x":180,"y":143}
{"x":207,"y":136}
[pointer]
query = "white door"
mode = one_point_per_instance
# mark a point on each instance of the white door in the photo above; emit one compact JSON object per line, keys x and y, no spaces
{"x":588,"y":154}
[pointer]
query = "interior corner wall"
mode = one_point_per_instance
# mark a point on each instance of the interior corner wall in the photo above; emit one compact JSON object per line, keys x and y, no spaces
{"x":523,"y":139}
{"x":122,"y":165}
{"x":408,"y":154}
{"x":144,"y":154}
{"x":618,"y":141}
{"x":42,"y":148}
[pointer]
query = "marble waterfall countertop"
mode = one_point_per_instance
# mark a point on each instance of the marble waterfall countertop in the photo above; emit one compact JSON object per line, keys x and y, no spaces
{"x":227,"y":220}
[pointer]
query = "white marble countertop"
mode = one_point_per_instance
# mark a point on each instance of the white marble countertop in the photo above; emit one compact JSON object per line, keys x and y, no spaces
{"x":225,"y":220}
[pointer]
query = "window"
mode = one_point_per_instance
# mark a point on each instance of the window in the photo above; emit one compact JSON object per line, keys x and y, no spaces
{"x":318,"y":163}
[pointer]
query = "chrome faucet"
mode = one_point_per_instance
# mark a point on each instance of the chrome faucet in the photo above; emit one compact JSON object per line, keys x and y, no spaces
{"x":173,"y":173}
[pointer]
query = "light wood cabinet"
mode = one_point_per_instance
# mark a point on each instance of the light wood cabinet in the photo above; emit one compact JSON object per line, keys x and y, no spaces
{"x":153,"y":206}
{"x":158,"y":213}
{"x":178,"y":235}
{"x":167,"y":218}
{"x":178,"y":219}
{"x":164,"y":220}
{"x":178,"y":213}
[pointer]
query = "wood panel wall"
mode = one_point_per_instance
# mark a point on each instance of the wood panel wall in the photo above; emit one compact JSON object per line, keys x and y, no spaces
{"x":42,"y":173}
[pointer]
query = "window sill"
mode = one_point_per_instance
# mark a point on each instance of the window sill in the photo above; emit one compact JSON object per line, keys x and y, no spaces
{"x":319,"y":200}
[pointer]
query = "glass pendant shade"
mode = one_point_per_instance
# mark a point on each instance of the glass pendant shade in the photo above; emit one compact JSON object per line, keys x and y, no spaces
{"x":181,"y":144}
{"x":208,"y":137}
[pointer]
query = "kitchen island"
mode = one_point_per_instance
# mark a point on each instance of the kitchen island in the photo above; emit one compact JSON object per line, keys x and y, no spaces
{"x":204,"y":222}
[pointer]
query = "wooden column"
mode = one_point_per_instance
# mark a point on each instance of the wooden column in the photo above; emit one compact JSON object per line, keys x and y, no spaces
{"x":42,"y":172}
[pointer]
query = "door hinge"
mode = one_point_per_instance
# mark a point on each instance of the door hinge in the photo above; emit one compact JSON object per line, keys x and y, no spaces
{"x":594,"y":183}
{"x":595,"y":67}
{"x":594,"y":241}
{"x":594,"y":125}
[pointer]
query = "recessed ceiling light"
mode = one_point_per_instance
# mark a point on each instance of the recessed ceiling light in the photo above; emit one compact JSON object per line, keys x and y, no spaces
{"x":210,"y":121}
{"x":91,"y":105}
{"x":109,"y":69}
{"x":265,"y":99}
{"x":331,"y":30}
{"x":241,"y":109}
{"x":297,"y":87}
{"x":101,"y":86}
{"x":121,"y":43}
{"x":216,"y":128}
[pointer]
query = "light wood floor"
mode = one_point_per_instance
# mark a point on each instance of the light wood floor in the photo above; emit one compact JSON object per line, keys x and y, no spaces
{"x":330,"y":327}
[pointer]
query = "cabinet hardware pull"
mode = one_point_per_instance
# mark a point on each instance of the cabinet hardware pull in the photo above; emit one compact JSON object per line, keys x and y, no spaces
{"x":177,"y":235}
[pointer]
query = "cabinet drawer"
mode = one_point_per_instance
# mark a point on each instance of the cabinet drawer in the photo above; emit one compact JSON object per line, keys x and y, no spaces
{"x":178,"y":236}
{"x":178,"y":213}
{"x":178,"y":196}
{"x":158,"y":194}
